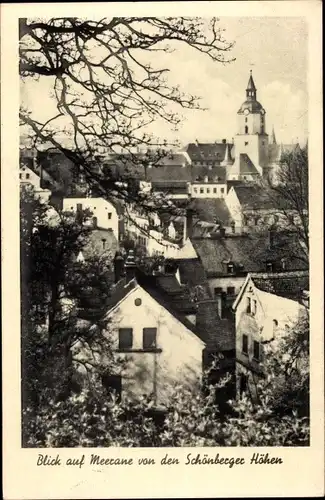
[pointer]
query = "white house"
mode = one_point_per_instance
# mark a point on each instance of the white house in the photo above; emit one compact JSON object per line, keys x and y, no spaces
{"x":208,"y":189}
{"x":27,"y":177}
{"x":104,"y":212}
{"x":158,"y":347}
{"x":263,"y":316}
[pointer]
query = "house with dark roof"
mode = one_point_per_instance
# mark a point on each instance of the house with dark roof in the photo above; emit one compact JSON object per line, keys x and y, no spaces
{"x":254,"y":207}
{"x":268,"y":306}
{"x":227,"y":258}
{"x":210,"y":154}
{"x":151,"y":323}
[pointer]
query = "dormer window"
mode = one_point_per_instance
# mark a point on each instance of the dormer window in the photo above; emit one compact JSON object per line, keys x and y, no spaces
{"x":230,"y":268}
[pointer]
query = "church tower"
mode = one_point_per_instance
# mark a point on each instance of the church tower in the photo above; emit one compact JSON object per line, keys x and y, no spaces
{"x":251,"y":141}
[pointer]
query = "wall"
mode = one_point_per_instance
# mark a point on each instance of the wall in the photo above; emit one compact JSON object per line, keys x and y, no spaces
{"x":177,"y":359}
{"x":260,"y":326}
{"x":256,"y":149}
{"x":253,"y":121}
{"x":100,"y":208}
{"x":209,"y":190}
{"x":234,"y":207}
{"x":225,"y":282}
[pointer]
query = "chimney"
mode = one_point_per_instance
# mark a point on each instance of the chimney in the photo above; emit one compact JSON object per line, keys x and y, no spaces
{"x":118,"y":267}
{"x":206,"y":322}
{"x":130,"y":266}
{"x":224,"y":141}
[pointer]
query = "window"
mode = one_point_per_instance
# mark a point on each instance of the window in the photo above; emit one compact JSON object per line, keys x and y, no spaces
{"x":195,"y":190}
{"x":231,"y":290}
{"x":245,"y":344}
{"x":218,"y":290}
{"x":149,"y":338}
{"x":254,"y":307}
{"x":109,"y":215}
{"x":95,"y":222}
{"x":256,"y":350}
{"x":222,"y":190}
{"x":246,"y":129}
{"x":125,"y":339}
{"x":230,"y":268}
{"x":79,"y":206}
{"x":208,"y":190}
{"x":246,"y":143}
{"x":214,"y":190}
{"x":27,"y":176}
{"x":104,"y":243}
{"x":20,"y":176}
{"x":201,"y":190}
{"x":248,"y":305}
{"x":246,"y":119}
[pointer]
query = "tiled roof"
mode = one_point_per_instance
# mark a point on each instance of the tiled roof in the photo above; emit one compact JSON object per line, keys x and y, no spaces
{"x":207,"y":151}
{"x":253,"y":196}
{"x":248,"y":252}
{"x":287,"y":284}
{"x":246,"y":166}
{"x":210,"y":210}
{"x":215,"y":174}
{"x":192,"y":273}
{"x":169,"y":173}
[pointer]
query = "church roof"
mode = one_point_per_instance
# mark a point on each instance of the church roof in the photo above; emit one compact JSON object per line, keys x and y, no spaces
{"x":246,"y":166}
{"x":251,"y":84}
{"x":252,"y":106}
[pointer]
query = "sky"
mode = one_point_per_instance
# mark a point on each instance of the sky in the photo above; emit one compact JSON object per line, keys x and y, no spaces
{"x":275,"y":49}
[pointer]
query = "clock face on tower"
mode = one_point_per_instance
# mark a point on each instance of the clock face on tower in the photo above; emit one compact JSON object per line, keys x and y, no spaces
{"x":246,"y":112}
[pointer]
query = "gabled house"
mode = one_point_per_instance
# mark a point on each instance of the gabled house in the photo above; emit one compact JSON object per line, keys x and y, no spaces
{"x":104,"y":213}
{"x":254,"y":207}
{"x":151,"y":323}
{"x":267,"y":307}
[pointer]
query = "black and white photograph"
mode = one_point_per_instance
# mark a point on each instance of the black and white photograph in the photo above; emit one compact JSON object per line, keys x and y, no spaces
{"x":161,"y":246}
{"x":164,"y":232}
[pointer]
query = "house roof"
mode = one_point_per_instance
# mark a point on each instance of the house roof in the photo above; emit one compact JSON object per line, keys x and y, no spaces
{"x":248,"y":252}
{"x":169,"y":173}
{"x":210,"y":210}
{"x":252,"y":196}
{"x":246,"y":166}
{"x":288,"y":284}
{"x":214,"y":151}
{"x":215,"y":174}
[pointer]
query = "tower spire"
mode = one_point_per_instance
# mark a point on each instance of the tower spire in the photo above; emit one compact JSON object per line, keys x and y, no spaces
{"x":251,"y":89}
{"x":273,"y":139}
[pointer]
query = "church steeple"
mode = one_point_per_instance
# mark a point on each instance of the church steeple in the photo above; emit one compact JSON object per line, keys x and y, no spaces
{"x":251,"y":89}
